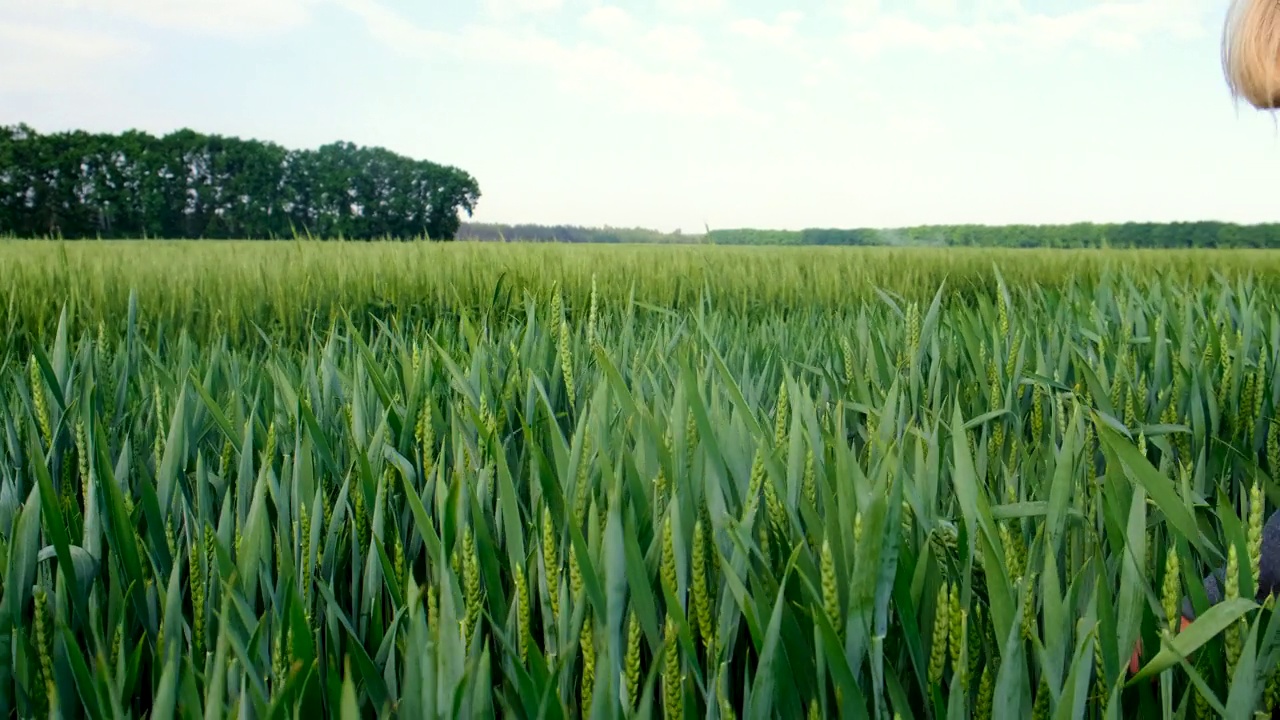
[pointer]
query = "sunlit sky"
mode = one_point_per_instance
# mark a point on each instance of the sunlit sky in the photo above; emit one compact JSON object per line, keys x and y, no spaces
{"x":678,"y":113}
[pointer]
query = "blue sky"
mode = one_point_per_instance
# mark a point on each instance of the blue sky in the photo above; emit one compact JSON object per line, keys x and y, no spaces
{"x":675,"y":113}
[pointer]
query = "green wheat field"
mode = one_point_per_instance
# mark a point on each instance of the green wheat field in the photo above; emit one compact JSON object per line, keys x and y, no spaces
{"x":303,"y":480}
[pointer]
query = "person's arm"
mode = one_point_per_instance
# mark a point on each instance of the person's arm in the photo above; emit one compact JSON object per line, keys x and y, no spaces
{"x":1251,"y":52}
{"x":1268,"y":572}
{"x":1212,"y":589}
{"x":1268,"y":580}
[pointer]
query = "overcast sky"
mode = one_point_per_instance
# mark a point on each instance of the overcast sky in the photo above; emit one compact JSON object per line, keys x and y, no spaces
{"x":672,"y":113}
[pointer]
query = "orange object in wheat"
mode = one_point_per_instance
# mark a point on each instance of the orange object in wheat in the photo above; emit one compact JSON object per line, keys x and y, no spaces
{"x":1134,"y":664}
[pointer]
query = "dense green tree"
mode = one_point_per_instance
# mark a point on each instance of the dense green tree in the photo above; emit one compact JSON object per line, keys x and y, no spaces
{"x":191,"y":185}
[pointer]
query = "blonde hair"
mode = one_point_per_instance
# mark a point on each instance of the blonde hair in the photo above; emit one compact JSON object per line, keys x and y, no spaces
{"x":1251,"y":52}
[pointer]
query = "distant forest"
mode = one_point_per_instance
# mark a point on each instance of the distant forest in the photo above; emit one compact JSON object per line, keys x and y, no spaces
{"x":1206,"y":234}
{"x":190,"y":185}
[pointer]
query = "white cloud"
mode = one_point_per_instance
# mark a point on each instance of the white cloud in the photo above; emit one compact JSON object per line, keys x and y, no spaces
{"x":626,"y":75}
{"x":507,"y":9}
{"x":943,"y":8}
{"x":987,"y":9}
{"x":1108,"y":25}
{"x":798,"y":108}
{"x":610,"y":76}
{"x":896,"y":32}
{"x":392,"y":29}
{"x":692,"y":7}
{"x":857,"y":12}
{"x":675,"y":43}
{"x":609,"y":20}
{"x":778,"y":32}
{"x":817,"y":72}
{"x":916,"y":127}
{"x":45,"y":59}
{"x":225,"y":17}
{"x":1114,"y":40}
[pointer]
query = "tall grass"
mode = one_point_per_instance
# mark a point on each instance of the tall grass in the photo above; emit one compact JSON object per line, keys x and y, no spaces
{"x":910,"y":498}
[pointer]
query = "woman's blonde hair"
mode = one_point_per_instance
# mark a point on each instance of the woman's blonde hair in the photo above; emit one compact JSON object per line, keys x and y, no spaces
{"x":1251,"y":52}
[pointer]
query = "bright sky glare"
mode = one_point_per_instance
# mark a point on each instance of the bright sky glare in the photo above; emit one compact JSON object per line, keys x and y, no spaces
{"x":674,"y":113}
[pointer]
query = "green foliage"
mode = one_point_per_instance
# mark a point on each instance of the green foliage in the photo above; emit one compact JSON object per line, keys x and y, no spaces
{"x":919,"y":498}
{"x":189,"y":185}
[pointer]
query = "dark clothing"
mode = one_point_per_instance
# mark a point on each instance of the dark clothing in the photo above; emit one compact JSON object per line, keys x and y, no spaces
{"x":1268,"y":575}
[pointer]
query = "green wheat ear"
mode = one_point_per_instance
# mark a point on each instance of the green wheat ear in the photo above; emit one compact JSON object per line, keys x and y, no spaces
{"x":587,"y":646}
{"x":566,"y":364}
{"x":941,"y":634}
{"x":672,"y":679}
{"x":1040,"y":710}
{"x":1172,"y":592}
{"x":44,"y":642}
{"x":670,"y":581}
{"x":701,"y":593}
{"x":830,"y":592}
{"x":1234,"y":643}
{"x":631,"y":662}
{"x":986,"y":694}
{"x":524,"y":613}
{"x":956,"y":615}
{"x":551,"y":564}
{"x":1256,"y":507}
{"x":40,"y":402}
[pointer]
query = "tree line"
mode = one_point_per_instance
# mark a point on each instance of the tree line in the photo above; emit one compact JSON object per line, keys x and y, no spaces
{"x":1206,"y":234}
{"x":1137,"y":235}
{"x":524,"y":232}
{"x":186,"y":184}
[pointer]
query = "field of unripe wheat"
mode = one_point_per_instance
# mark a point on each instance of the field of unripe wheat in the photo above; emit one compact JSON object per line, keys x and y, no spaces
{"x":261,"y":480}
